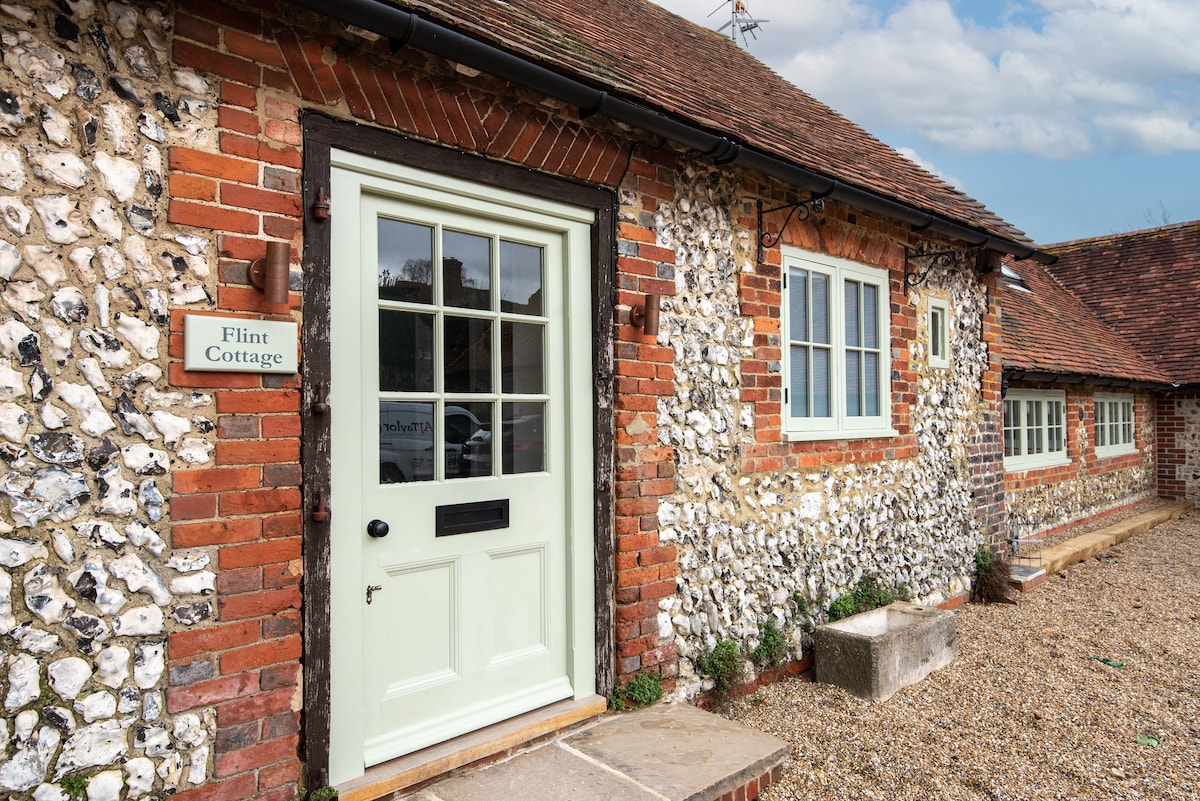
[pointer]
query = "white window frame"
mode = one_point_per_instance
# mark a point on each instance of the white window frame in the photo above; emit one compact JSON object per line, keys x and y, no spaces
{"x":1028,"y":456}
{"x":839,"y":425}
{"x":938,"y":324}
{"x":1115,"y":424}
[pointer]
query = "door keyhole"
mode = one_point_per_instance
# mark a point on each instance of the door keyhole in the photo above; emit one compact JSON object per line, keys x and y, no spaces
{"x":371,"y":590}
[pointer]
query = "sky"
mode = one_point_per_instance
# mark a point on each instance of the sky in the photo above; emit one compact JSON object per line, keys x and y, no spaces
{"x":1068,"y":118}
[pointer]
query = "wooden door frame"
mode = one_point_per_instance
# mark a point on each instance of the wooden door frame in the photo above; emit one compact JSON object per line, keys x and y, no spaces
{"x":323,"y":133}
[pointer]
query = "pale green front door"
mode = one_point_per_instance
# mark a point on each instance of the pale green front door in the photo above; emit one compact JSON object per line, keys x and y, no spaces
{"x":461,"y":553}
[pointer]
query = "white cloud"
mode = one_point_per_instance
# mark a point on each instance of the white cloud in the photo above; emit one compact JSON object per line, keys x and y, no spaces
{"x":1054,"y":78}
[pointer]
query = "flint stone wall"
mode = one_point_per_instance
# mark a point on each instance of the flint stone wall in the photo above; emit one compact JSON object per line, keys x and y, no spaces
{"x":89,"y":430}
{"x":750,"y":544}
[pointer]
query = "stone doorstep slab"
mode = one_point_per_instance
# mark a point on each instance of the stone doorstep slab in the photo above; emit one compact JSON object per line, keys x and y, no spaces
{"x":1058,"y":557}
{"x":669,"y":752}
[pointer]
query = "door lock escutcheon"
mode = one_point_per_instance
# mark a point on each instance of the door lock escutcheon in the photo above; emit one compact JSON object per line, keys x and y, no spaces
{"x":371,"y":590}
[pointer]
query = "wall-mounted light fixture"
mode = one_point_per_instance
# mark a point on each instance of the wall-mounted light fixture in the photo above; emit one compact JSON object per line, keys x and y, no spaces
{"x":645,"y":316}
{"x":270,"y":274}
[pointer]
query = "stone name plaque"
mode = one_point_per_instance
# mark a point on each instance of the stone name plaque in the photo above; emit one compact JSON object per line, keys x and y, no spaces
{"x":236,"y":345}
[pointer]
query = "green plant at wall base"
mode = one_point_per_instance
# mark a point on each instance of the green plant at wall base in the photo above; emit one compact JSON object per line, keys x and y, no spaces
{"x":643,"y":689}
{"x":801,"y":604}
{"x":724,"y":664}
{"x":992,"y":574}
{"x":772,"y":646}
{"x":867,"y":595}
{"x":75,"y":786}
{"x":318,"y":794}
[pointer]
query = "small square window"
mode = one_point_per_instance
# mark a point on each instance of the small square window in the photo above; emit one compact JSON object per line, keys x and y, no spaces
{"x":1114,"y":424}
{"x":939,"y":333}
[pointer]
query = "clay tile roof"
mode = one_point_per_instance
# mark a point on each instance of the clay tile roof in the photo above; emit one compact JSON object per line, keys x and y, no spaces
{"x":1145,"y":286}
{"x":645,"y":54}
{"x":1046,"y":329}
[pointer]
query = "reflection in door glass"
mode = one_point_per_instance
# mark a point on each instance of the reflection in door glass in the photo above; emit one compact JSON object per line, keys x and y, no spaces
{"x":521,"y":358}
{"x":468,"y":354}
{"x":405,"y":261}
{"x":405,"y":441}
{"x":475,"y":450}
{"x":405,"y":351}
{"x":522,"y":438}
{"x":467,"y":270}
{"x":520,"y":278}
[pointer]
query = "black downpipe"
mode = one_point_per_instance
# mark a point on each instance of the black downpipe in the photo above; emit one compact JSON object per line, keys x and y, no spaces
{"x":405,"y":28}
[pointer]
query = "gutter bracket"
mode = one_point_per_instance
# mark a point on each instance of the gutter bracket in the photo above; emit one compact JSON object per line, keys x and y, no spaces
{"x":944,"y":258}
{"x":800,"y":210}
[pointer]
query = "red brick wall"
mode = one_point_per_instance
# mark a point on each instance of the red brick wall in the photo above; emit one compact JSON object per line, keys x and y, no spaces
{"x":245,"y":663}
{"x":1177,"y":467}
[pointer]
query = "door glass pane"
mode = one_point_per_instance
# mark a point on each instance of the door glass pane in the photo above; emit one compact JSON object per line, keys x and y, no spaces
{"x":798,"y":305}
{"x":406,"y":439}
{"x":466,"y":270}
{"x":520,"y":278}
{"x":405,"y":351}
{"x":870,"y":309}
{"x":468,"y":439}
{"x":853,"y":338}
{"x":522,"y":438}
{"x":798,"y":390}
{"x":820,"y":308}
{"x":405,"y":261}
{"x":820,"y":382}
{"x":468,"y":354}
{"x":521,"y":348}
{"x":853,"y":383}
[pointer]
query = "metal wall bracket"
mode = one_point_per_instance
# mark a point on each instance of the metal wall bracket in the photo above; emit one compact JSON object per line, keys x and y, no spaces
{"x":801,"y":210}
{"x":938,"y":257}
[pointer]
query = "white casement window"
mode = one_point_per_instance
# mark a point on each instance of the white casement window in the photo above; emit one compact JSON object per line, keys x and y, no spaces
{"x":1035,"y":433}
{"x":1114,"y":425}
{"x":939,"y":333}
{"x":837,"y":363}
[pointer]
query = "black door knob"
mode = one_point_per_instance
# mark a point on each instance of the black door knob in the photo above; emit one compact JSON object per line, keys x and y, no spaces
{"x":377,"y":528}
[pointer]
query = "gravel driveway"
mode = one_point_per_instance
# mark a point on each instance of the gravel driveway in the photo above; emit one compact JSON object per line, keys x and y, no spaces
{"x":1027,"y":711}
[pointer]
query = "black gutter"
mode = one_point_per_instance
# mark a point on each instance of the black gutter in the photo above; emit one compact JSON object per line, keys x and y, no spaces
{"x":1038,"y":377}
{"x":405,"y":28}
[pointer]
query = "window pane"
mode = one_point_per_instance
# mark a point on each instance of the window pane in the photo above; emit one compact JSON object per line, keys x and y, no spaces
{"x":798,"y":305}
{"x":520,"y":278}
{"x":1012,"y":422}
{"x":405,"y":442}
{"x":468,"y":355}
{"x":935,"y":333}
{"x":853,"y":383}
{"x":798,"y":390}
{"x":466,"y":270}
{"x":475,"y":450}
{"x":870,"y":309}
{"x":1034,"y":438}
{"x":820,"y":309}
{"x":522,"y":438}
{"x":853,"y":337}
{"x":871,"y":384}
{"x":405,"y":351}
{"x":821,"y":387}
{"x":521,"y":347}
{"x":1101,"y":426}
{"x":405,"y":261}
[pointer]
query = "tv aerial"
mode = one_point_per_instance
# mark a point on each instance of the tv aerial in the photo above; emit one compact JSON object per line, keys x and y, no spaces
{"x":741,"y":23}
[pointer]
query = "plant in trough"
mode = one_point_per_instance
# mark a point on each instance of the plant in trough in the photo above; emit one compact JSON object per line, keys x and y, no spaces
{"x":867,"y":595}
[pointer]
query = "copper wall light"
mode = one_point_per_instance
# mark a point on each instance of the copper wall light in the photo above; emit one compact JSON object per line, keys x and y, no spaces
{"x":645,"y":316}
{"x":270,"y":274}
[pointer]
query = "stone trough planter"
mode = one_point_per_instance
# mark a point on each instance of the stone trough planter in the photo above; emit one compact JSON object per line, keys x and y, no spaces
{"x":873,"y":654}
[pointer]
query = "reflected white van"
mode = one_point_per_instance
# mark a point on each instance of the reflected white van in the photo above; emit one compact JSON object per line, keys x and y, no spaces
{"x":406,"y":439}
